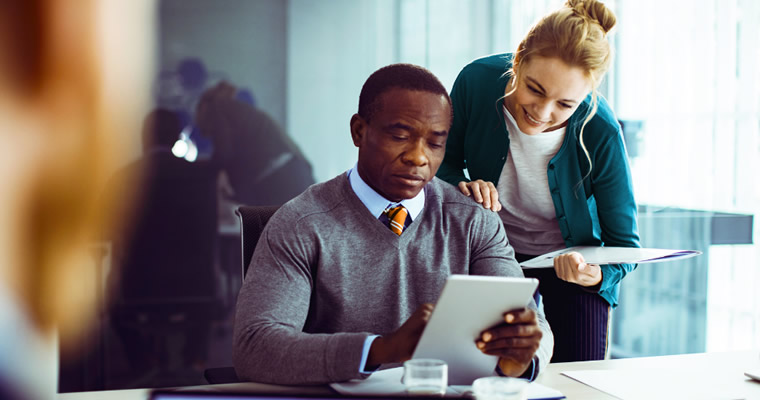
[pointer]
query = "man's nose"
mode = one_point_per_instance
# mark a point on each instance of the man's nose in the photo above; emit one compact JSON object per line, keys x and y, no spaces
{"x":416,"y":154}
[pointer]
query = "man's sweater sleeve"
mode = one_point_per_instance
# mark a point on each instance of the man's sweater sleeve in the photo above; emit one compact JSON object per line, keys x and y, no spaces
{"x":269,"y":344}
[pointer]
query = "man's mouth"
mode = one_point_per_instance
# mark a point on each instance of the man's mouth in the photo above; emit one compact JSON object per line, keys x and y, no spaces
{"x":410,"y":179}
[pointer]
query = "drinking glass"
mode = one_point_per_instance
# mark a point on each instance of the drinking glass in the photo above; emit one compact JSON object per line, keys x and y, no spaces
{"x":426,"y":376}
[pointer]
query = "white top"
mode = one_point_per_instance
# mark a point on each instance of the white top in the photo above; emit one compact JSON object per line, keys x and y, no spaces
{"x":28,"y":360}
{"x":527,"y":207}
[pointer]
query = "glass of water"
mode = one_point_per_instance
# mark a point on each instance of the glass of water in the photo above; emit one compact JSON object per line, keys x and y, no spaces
{"x":426,"y":376}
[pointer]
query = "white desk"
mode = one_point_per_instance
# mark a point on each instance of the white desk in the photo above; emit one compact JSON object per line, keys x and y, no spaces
{"x":726,"y":369}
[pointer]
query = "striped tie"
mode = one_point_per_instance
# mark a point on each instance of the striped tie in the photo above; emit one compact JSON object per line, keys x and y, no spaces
{"x":396,"y":219}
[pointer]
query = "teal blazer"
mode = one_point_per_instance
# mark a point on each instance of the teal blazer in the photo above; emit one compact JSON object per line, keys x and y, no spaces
{"x":597,"y":211}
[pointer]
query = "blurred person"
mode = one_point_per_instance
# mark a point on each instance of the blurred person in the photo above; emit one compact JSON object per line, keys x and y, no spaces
{"x":163,"y":265}
{"x":59,"y":117}
{"x":262,"y":164}
{"x":544,"y":149}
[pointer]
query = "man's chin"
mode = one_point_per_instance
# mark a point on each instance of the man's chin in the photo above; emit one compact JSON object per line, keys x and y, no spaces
{"x":406,"y":194}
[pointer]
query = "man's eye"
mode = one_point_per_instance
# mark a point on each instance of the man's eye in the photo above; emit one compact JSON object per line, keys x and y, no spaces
{"x":435,"y":145}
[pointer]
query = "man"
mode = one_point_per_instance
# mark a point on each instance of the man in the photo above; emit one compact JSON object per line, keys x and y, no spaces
{"x":328,"y":275}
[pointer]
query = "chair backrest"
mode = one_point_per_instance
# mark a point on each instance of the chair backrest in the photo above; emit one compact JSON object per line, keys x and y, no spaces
{"x":252,"y":222}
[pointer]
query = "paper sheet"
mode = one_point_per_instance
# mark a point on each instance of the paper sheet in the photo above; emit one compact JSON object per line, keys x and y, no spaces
{"x":388,"y":382}
{"x":612,"y":255}
{"x":657,"y":384}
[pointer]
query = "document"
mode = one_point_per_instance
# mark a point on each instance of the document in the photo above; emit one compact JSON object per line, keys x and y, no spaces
{"x":612,"y":255}
{"x":666,"y":384}
{"x":388,"y":382}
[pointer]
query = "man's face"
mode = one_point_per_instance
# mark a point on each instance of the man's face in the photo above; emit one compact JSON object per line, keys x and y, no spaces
{"x":402,"y":146}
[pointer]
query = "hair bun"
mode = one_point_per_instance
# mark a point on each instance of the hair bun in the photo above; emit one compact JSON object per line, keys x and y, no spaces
{"x":594,"y":11}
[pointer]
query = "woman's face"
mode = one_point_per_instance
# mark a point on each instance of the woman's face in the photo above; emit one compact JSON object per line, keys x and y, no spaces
{"x":547,"y":94}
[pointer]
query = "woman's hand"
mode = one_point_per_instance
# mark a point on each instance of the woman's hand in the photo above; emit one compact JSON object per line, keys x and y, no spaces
{"x":571,"y":267}
{"x":483,"y":192}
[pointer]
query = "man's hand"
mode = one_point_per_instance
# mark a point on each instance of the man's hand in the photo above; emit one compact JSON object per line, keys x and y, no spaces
{"x":483,"y":192}
{"x":399,"y":345}
{"x":571,"y":267}
{"x":515,"y":341}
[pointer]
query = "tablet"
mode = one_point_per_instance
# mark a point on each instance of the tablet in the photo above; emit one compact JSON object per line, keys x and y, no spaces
{"x":467,"y":305}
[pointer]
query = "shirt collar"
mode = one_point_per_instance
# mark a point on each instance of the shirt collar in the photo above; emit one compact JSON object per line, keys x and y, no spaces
{"x":376,"y":203}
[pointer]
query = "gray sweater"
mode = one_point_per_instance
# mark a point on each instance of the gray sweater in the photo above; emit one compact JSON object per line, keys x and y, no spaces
{"x":326,"y":274}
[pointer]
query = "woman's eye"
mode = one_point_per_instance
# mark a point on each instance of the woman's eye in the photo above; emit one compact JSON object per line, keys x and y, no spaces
{"x":534,"y":90}
{"x":565,"y":105}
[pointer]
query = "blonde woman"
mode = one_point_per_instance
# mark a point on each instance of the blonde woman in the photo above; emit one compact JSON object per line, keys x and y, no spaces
{"x":545,"y":150}
{"x":60,"y":112}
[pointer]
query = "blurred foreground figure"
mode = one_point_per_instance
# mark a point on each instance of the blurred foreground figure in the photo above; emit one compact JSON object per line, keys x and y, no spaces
{"x":67,"y":84}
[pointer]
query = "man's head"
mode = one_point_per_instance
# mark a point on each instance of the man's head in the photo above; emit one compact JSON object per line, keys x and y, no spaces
{"x":401,"y":129}
{"x":212,"y":117}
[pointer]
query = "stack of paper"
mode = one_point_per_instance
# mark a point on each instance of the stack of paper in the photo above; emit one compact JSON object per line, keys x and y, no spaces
{"x":612,"y":255}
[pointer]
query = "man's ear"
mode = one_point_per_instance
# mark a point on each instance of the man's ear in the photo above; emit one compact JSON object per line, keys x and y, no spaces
{"x":358,"y":129}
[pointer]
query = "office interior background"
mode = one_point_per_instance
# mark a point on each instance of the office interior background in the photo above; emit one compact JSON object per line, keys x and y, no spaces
{"x":685,"y":83}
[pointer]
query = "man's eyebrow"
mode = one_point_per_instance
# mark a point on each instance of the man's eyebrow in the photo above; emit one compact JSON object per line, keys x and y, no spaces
{"x":543,"y":91}
{"x":399,"y":125}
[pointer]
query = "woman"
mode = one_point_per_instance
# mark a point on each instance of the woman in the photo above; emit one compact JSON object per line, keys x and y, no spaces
{"x":543,"y":149}
{"x":62,"y":118}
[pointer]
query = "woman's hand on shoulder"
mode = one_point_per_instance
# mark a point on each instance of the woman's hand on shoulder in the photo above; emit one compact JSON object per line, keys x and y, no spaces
{"x":483,"y":192}
{"x":571,"y":267}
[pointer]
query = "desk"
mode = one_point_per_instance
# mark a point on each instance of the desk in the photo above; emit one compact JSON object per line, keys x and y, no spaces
{"x":726,"y":368}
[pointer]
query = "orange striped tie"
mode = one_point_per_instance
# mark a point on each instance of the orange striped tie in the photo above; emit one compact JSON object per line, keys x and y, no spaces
{"x":396,"y":219}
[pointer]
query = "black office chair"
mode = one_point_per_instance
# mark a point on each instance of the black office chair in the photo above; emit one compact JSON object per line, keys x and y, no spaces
{"x":252,"y":222}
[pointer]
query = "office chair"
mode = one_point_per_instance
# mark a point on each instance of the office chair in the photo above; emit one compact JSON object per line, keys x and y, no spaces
{"x":252,"y":222}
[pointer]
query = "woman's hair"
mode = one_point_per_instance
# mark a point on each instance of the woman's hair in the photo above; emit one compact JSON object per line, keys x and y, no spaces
{"x":72,"y":117}
{"x":576,"y":34}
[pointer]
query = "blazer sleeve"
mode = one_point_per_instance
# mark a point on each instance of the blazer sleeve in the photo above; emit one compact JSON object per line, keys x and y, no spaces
{"x":616,"y":207}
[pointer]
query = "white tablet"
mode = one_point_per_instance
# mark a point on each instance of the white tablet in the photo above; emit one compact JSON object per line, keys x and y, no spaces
{"x":468,"y":305}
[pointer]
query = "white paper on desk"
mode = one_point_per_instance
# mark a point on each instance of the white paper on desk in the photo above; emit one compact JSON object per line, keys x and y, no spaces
{"x":613,"y":255}
{"x":657,"y":384}
{"x":388,"y":382}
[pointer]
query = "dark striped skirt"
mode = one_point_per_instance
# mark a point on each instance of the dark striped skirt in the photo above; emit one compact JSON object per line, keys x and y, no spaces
{"x":580,"y":320}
